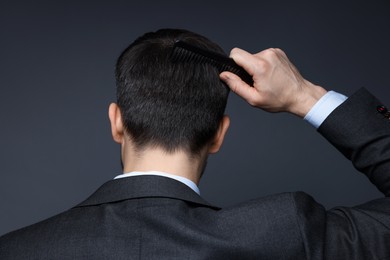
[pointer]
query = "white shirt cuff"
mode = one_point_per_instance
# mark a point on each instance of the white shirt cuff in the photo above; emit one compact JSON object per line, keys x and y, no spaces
{"x":322,"y":109}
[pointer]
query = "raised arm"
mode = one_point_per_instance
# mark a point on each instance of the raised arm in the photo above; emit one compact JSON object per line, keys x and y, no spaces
{"x":359,"y":128}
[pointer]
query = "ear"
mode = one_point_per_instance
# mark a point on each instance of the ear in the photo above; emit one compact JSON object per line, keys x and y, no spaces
{"x":117,"y":129}
{"x":220,"y":135}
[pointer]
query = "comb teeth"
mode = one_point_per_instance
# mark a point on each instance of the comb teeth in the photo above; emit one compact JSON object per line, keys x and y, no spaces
{"x":184,"y":52}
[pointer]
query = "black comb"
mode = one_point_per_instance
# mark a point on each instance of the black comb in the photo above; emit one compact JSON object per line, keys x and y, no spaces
{"x":184,"y":52}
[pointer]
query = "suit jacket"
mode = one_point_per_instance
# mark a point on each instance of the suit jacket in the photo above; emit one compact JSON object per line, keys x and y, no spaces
{"x":151,"y":217}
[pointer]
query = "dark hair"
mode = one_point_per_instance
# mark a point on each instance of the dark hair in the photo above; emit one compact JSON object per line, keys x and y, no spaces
{"x":169,"y":105}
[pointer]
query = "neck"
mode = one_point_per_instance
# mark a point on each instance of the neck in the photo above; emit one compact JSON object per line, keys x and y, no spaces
{"x":178,"y":163}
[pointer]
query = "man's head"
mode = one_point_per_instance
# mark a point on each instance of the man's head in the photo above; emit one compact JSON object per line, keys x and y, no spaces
{"x":166,"y":105}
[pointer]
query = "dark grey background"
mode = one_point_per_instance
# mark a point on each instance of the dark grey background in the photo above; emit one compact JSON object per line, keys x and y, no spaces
{"x":56,"y":65}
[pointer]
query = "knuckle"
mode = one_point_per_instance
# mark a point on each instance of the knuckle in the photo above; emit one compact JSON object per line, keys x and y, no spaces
{"x":262,"y":65}
{"x":281,"y":52}
{"x":271,"y":52}
{"x":234,"y":88}
{"x":277,"y":49}
{"x":252,"y":101}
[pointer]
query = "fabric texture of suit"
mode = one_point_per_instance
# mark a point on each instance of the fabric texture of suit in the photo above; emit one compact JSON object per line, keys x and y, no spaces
{"x":152,"y":217}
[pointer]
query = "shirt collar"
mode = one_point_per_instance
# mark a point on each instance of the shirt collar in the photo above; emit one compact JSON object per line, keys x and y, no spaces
{"x":181,"y":179}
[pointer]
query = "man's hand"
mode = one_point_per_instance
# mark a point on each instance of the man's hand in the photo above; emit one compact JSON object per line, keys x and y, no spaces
{"x":278,"y":85}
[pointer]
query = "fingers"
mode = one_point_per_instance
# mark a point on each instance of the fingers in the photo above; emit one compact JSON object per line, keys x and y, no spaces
{"x":275,"y":79}
{"x":256,"y":63}
{"x":244,"y":59}
{"x":238,"y":86}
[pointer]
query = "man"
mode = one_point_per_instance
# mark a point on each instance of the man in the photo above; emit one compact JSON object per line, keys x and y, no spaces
{"x":168,"y":118}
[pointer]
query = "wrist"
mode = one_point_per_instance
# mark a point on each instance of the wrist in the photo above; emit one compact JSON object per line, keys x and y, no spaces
{"x":309,"y":96}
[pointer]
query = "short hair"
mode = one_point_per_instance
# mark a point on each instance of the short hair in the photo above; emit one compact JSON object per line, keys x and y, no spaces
{"x":174,"y":106}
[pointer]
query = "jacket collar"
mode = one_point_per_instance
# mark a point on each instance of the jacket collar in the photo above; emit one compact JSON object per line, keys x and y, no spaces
{"x":143,"y":187}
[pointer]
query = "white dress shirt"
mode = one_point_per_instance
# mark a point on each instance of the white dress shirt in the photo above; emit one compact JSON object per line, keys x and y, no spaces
{"x":183,"y":180}
{"x":316,"y":116}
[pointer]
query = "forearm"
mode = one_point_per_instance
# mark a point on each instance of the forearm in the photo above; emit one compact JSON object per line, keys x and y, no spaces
{"x":355,"y":128}
{"x":363,"y":136}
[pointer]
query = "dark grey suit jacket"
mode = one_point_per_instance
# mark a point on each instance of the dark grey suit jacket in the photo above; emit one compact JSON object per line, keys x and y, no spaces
{"x":151,"y":217}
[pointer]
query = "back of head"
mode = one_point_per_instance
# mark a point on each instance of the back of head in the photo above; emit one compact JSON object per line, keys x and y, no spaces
{"x":173,"y":106}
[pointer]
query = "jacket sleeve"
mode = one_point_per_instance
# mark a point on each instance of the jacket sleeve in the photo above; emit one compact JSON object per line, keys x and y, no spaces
{"x":359,"y":131}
